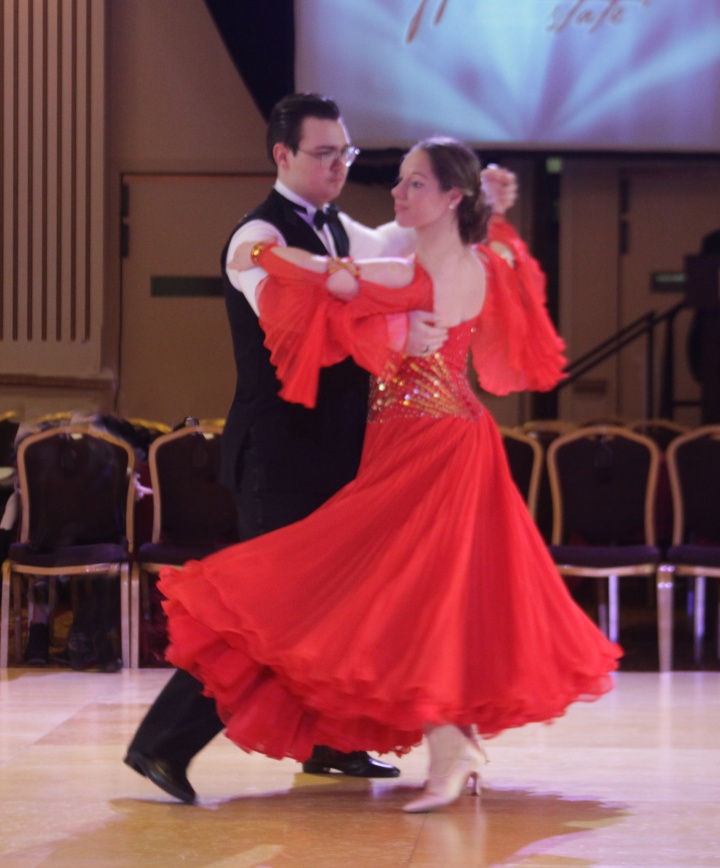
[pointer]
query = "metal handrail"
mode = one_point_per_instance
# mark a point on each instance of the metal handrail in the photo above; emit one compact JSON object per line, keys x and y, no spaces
{"x":644,"y":325}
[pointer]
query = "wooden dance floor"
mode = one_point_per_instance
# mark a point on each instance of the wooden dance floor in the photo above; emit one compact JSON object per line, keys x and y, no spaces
{"x":632,"y":780}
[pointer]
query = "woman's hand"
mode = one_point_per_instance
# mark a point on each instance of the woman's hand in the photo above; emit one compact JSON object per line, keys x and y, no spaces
{"x":425,"y":336}
{"x":500,"y":188}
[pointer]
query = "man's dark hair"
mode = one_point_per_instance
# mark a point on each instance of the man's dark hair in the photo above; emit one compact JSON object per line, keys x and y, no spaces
{"x":287,"y":116}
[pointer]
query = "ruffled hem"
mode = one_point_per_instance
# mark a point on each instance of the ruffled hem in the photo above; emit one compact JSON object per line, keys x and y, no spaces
{"x":273,"y":704}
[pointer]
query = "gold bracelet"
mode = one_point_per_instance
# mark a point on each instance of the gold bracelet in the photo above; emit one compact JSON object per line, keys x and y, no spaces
{"x":257,"y":249}
{"x":344,"y":263}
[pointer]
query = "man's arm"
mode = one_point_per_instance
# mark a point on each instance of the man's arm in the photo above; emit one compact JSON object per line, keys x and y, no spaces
{"x":386,"y":240}
{"x":247,"y":281}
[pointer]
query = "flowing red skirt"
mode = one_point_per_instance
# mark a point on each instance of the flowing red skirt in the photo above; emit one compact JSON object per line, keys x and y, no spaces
{"x":421,"y":593}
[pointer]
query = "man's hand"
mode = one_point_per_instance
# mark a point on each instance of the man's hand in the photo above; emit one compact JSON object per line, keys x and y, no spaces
{"x":425,"y":337}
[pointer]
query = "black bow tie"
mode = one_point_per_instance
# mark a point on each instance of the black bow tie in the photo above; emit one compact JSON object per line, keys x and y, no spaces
{"x":329,"y":215}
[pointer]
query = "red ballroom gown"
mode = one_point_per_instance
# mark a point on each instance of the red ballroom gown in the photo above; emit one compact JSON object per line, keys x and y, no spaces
{"x":422,"y":591}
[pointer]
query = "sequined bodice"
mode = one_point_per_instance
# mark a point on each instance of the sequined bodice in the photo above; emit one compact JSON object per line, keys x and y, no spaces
{"x":436,"y":386}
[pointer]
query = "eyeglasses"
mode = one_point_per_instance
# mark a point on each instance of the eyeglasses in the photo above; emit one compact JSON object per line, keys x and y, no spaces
{"x":328,"y":158}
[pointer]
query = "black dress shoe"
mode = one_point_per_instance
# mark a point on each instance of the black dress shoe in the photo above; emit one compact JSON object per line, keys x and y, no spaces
{"x":164,"y":774}
{"x":357,"y":764}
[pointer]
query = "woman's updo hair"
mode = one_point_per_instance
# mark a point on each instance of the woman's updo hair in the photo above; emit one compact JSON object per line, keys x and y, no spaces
{"x":456,"y":165}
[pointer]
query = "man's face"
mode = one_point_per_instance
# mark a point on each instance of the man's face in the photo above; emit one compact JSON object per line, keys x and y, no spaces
{"x":316,"y":172}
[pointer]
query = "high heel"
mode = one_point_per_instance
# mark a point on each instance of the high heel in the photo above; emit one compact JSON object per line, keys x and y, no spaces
{"x":455,"y":762}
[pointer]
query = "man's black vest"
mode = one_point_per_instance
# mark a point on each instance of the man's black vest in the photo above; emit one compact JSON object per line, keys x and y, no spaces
{"x":310,"y":453}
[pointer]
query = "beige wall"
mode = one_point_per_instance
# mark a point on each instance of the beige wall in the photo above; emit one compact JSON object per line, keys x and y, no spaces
{"x":177,"y":106}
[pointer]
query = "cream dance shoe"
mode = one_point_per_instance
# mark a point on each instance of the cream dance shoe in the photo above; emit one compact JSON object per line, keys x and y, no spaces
{"x":455,"y":761}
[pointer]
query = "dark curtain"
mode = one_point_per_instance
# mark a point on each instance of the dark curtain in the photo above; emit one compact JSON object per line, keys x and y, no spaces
{"x":260,"y":38}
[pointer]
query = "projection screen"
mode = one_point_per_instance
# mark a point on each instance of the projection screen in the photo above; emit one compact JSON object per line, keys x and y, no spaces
{"x":621,"y":75}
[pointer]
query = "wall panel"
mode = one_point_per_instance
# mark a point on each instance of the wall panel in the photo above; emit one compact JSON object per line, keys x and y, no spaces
{"x":53,"y":199}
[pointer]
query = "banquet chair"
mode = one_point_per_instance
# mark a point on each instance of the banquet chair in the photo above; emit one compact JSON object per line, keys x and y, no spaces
{"x":525,"y":457}
{"x":193,"y":515}
{"x":694,"y":466}
{"x":603,"y":480}
{"x":77,"y":495}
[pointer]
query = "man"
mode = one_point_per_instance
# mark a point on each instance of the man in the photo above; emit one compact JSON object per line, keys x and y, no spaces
{"x":282,"y":460}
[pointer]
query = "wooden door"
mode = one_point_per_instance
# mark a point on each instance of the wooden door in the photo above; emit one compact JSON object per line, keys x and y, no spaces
{"x":175,"y":348}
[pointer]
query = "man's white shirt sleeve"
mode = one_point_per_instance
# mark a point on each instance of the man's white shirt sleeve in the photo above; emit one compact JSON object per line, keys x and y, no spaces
{"x":365,"y":243}
{"x":387,"y":240}
{"x":247,"y":281}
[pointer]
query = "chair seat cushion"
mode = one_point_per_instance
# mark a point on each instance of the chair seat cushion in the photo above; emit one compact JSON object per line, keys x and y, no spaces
{"x":700,"y":556}
{"x":605,"y":556}
{"x":27,"y":555}
{"x":175,"y":555}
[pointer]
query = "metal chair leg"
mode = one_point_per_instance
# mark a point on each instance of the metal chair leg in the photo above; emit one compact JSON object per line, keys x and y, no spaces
{"x":16,"y":606}
{"x":699,"y":617}
{"x":5,"y":615}
{"x":135,"y":580}
{"x":613,"y":608}
{"x":665,"y":598}
{"x":603,"y":606}
{"x":125,"y":639}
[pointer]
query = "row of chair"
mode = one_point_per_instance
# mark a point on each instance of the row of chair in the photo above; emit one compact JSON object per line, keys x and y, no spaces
{"x":603,"y":482}
{"x":78,"y":490}
{"x":78,"y":500}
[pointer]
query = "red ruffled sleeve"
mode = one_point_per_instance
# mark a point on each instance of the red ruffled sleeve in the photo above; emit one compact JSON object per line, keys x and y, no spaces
{"x":515,"y":346}
{"x":306,"y":328}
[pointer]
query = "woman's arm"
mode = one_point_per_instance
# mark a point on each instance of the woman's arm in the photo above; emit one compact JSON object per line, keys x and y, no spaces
{"x":500,"y":189}
{"x":343,"y":273}
{"x":247,"y":255}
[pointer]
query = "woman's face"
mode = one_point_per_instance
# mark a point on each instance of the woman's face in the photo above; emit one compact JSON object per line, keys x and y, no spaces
{"x":419,"y":201}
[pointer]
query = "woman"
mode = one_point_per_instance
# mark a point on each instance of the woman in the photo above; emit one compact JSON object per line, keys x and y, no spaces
{"x":421,"y":598}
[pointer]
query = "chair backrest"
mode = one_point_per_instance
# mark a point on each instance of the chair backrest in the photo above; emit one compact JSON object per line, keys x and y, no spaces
{"x":191,"y":505}
{"x":694,"y":464}
{"x":76,"y":488}
{"x":662,"y":431}
{"x":603,"y":480}
{"x":525,"y":457}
